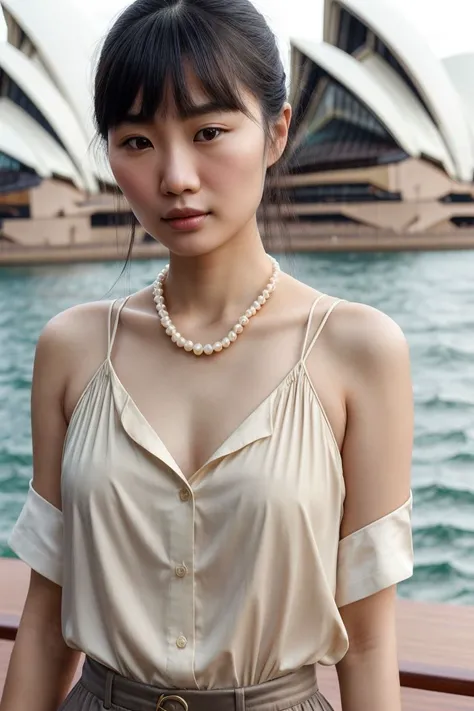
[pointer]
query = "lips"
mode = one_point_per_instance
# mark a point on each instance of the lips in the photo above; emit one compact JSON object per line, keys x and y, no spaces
{"x":186,"y":220}
{"x":183,"y":214}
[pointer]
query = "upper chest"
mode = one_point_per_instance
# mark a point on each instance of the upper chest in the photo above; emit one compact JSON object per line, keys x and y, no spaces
{"x":280,"y":456}
{"x":195,"y":405}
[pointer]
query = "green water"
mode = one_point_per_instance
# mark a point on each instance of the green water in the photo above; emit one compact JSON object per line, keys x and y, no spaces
{"x":431,"y":296}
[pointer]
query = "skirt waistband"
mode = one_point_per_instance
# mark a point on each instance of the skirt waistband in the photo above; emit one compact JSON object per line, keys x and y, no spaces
{"x":276,"y":695}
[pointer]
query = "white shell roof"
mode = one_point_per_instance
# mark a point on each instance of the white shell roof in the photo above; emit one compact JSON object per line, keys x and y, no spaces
{"x":52,"y":105}
{"x":13,"y":144}
{"x":348,"y":72}
{"x":425,"y":70}
{"x":66,"y":39}
{"x":24,"y":139}
{"x":429,"y":140}
{"x":460,"y":68}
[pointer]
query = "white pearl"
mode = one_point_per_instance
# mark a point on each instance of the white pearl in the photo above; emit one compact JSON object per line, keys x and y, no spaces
{"x":198,"y":349}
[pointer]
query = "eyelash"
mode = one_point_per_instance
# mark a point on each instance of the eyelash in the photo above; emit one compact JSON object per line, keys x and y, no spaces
{"x":141,"y":138}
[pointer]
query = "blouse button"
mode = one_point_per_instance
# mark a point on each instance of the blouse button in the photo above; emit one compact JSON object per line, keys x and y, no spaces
{"x":184,"y":495}
{"x":181,"y":571}
{"x":181,"y":642}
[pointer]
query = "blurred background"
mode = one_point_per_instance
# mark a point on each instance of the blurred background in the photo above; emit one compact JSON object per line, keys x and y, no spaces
{"x":382,"y":179}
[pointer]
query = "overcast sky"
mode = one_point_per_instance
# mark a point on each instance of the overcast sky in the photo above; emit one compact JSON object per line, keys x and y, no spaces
{"x":447,"y":26}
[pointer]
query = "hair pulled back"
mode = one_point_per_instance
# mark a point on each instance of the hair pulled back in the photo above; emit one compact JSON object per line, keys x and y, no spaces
{"x":227,"y":44}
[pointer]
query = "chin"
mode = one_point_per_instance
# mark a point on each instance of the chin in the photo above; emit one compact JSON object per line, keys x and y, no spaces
{"x":191,"y":244}
{"x":192,"y":247}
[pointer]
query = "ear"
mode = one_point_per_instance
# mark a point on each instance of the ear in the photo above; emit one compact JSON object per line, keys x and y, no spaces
{"x":280,"y":135}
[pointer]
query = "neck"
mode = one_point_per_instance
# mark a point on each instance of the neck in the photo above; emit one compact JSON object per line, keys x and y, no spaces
{"x":214,"y":287}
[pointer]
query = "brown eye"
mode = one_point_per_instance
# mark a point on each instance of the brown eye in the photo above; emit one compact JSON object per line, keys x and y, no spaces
{"x":209,"y":134}
{"x":137,"y":143}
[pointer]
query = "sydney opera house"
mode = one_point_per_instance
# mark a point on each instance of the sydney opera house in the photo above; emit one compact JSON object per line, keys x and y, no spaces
{"x":384,"y":137}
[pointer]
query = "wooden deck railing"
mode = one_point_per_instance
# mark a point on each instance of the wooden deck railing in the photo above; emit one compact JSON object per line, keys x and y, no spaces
{"x":8,"y":627}
{"x":447,"y":680}
{"x":426,"y":677}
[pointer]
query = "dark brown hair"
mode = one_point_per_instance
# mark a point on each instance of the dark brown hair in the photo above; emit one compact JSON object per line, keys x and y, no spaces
{"x":226,"y":43}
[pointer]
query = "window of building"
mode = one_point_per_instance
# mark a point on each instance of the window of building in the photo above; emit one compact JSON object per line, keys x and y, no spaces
{"x":333,"y":217}
{"x":341,"y":192}
{"x":14,"y":212}
{"x":352,"y":33}
{"x":112,"y":219}
{"x":457,"y":197}
{"x":15,"y":176}
{"x":463,"y":221}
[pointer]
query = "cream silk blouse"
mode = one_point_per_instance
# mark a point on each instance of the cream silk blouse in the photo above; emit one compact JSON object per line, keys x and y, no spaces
{"x":229,"y":579}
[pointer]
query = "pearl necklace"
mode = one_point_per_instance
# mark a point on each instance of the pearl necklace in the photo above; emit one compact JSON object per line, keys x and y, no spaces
{"x":196,"y":348}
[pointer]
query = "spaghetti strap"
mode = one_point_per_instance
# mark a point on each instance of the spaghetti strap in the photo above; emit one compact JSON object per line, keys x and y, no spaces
{"x":112,"y":331}
{"x":321,"y":327}
{"x":308,"y":327}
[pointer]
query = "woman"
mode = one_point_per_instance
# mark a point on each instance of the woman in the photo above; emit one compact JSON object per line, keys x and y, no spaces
{"x":212,"y":513}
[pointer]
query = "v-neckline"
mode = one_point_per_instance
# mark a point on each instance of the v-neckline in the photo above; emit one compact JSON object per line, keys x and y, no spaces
{"x":156,"y":446}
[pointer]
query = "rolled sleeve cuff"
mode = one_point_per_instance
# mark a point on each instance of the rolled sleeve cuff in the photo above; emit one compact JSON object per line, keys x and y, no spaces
{"x":375,"y":557}
{"x":37,"y":537}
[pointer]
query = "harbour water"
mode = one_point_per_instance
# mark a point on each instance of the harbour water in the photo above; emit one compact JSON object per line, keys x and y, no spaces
{"x":431,"y":296}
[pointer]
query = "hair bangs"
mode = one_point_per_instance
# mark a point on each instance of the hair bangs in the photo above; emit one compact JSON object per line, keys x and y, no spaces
{"x":155,"y":65}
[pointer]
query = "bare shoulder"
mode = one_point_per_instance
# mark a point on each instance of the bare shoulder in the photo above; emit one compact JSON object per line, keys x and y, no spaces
{"x":79,"y":326}
{"x":71,"y":343}
{"x":365,"y":335}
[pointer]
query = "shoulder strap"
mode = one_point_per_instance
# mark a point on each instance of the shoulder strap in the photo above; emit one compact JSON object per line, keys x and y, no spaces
{"x":113,"y":327}
{"x":321,"y":327}
{"x":310,"y":320}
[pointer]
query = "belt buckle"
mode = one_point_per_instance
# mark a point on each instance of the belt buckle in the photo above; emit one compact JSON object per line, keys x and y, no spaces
{"x":163,"y":699}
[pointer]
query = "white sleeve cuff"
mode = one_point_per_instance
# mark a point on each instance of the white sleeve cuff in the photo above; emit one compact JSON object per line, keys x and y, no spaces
{"x":37,"y":537}
{"x":375,"y":557}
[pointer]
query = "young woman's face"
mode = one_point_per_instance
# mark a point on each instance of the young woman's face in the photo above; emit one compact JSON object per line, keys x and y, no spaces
{"x":213,"y":162}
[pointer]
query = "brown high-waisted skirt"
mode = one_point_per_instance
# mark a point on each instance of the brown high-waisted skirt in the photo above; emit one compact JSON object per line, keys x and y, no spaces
{"x":99,"y":688}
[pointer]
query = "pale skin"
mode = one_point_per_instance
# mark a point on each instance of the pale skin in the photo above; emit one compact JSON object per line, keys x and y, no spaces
{"x":360,"y":370}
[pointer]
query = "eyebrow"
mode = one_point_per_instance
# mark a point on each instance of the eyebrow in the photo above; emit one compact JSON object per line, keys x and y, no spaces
{"x":192,"y":112}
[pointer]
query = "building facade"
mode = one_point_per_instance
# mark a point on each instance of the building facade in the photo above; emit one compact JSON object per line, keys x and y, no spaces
{"x":383,"y":137}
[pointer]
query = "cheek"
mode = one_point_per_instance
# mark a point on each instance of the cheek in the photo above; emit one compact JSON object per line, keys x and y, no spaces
{"x":131,"y":177}
{"x":239,"y":168}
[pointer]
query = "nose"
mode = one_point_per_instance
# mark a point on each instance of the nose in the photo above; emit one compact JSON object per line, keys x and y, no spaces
{"x":179,"y":173}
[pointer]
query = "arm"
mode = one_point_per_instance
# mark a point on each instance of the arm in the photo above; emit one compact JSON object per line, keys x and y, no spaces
{"x":42,"y":666}
{"x":377,"y":455}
